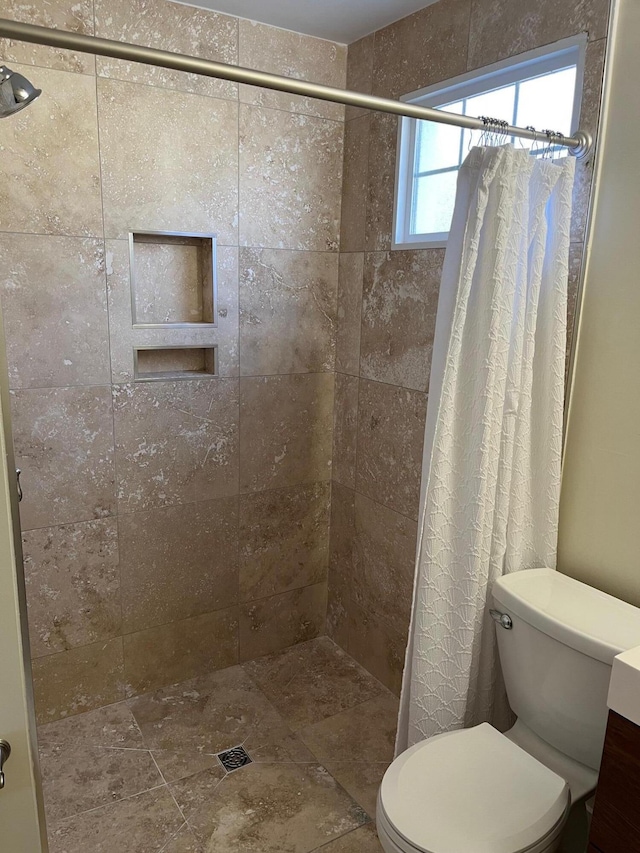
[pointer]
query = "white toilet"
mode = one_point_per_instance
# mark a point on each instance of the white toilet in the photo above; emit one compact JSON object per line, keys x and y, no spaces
{"x":478,"y":791}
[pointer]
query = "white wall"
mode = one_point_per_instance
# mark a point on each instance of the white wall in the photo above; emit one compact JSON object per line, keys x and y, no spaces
{"x":600,"y":505}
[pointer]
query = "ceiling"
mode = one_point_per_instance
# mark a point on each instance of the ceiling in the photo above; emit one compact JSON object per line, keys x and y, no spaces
{"x":338,"y":20}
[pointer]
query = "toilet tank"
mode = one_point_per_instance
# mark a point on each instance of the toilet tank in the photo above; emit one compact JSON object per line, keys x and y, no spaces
{"x":557,"y":657}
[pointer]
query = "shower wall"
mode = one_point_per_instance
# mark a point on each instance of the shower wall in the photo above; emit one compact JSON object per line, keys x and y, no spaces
{"x":387,"y":304}
{"x":176,"y":526}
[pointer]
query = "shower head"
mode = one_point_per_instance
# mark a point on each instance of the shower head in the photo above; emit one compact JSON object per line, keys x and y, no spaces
{"x":16,"y":92}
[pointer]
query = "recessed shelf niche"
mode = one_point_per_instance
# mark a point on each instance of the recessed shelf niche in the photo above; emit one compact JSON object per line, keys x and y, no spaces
{"x":173,"y":279}
{"x":157,"y":364}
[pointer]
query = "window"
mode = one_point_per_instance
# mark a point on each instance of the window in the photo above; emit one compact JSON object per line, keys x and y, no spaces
{"x":540,"y":88}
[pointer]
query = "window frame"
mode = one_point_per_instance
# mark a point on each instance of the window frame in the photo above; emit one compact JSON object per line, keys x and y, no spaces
{"x":552,"y":57}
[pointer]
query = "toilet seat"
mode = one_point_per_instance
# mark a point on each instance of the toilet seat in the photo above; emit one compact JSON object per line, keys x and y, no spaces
{"x":471,"y":790}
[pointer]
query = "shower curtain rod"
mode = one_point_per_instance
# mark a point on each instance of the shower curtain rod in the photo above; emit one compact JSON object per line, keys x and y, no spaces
{"x":579,"y":144}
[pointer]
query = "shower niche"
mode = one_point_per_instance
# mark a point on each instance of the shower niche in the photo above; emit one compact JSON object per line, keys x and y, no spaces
{"x":173,"y":280}
{"x":162,"y":363}
{"x":173,"y":305}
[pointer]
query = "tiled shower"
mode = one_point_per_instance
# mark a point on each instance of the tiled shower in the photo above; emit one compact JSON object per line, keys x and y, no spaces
{"x":176,"y":526}
{"x":219,"y":380}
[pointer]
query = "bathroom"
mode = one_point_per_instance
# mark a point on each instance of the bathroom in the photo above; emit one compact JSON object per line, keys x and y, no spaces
{"x":219,"y":344}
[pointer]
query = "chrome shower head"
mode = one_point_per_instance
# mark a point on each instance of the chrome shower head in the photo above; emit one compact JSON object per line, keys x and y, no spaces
{"x":16,"y":92}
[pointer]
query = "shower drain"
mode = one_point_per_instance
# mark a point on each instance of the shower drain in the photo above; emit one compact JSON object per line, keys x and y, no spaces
{"x":233,"y":759}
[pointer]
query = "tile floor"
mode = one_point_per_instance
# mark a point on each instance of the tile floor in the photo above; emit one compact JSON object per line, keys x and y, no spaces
{"x":142,"y":776}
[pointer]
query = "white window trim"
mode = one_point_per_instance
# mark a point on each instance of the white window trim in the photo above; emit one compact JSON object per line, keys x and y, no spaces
{"x":466,"y":85}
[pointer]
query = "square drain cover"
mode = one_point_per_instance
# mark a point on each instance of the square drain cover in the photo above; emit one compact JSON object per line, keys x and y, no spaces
{"x":233,"y":759}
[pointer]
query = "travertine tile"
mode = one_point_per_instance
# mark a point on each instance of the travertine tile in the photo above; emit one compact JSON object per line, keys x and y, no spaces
{"x":378,"y":646}
{"x":325,"y":682}
{"x":285,"y":430}
{"x":55,"y":310}
{"x":382,"y":561}
{"x":294,"y":55}
{"x":361,"y":780}
{"x":50,"y":169}
{"x":204,"y":715}
{"x":399,"y":306}
{"x":188,"y":454}
{"x":345,"y":430}
{"x":350,"y":280}
{"x":73,"y":585}
{"x":390,"y":441}
{"x":372,"y":555}
{"x":503,"y":28}
{"x":267,"y":808}
{"x":137,"y":824}
{"x":421,"y":49}
{"x":290,"y":180}
{"x":181,"y":185}
{"x":589,"y":117}
{"x":362,"y":840}
{"x":287,"y":311}
{"x":173,"y":27}
{"x":124,"y":338}
{"x":288,"y":749}
{"x":180,"y":763}
{"x":178,"y":562}
{"x":284,"y":540}
{"x":184,"y":841}
{"x":168,"y":283}
{"x":63,"y":439}
{"x":354,"y":186}
{"x":341,"y":541}
{"x":363,"y":733}
{"x":178,"y":650}
{"x":271,"y":624}
{"x":75,"y":16}
{"x":383,"y":139}
{"x":78,"y":680}
{"x":113,"y":726}
{"x":272,"y":673}
{"x":77,"y":778}
{"x":360,"y":71}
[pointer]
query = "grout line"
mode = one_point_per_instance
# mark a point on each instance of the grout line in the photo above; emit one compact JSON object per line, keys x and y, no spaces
{"x":174,"y":622}
{"x":234,"y":495}
{"x":111,"y":803}
{"x":239,"y":339}
{"x":175,"y":834}
{"x":169,"y":790}
{"x":184,"y":91}
{"x":231,"y":377}
{"x":240,"y":246}
{"x":344,"y":835}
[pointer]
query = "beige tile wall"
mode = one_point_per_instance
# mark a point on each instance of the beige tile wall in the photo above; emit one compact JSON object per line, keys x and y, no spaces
{"x":387,"y":303}
{"x":174,"y":527}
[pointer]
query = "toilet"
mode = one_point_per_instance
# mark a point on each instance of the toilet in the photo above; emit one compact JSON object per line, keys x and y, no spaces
{"x":479,"y":791}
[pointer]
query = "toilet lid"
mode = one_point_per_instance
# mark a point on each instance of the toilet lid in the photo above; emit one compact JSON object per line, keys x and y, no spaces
{"x":472,"y":790}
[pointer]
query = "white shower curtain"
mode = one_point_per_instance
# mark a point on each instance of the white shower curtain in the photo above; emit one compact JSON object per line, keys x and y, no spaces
{"x":491,"y":479}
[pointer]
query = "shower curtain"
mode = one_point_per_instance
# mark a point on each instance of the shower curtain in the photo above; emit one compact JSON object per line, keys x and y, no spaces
{"x":491,"y":478}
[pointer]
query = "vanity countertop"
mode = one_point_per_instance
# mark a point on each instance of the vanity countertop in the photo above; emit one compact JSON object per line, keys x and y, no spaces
{"x":624,"y":687}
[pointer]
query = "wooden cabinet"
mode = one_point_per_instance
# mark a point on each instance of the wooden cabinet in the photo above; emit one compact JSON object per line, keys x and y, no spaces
{"x":616,"y":815}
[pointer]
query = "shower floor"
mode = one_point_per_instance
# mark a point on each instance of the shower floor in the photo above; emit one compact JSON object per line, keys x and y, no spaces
{"x":143,"y":775}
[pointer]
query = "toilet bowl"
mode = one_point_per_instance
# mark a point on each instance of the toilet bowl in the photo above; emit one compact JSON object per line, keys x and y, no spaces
{"x":479,"y":791}
{"x":471,"y":791}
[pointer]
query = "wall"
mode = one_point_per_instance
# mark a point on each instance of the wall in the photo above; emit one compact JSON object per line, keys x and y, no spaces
{"x":599,"y":531}
{"x":173,"y":527}
{"x":387,"y":304}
